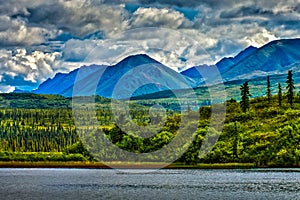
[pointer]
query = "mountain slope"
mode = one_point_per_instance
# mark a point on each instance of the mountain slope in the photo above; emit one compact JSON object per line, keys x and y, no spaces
{"x":193,"y":72}
{"x":225,"y":63}
{"x":273,"y":58}
{"x":133,"y":71}
{"x":61,"y":82}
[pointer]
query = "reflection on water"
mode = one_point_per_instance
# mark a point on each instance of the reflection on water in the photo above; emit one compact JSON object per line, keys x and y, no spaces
{"x":162,"y":184}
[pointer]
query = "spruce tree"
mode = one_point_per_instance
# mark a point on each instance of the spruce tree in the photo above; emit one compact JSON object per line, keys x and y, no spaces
{"x":269,"y":89}
{"x":290,"y":88}
{"x":245,"y":94}
{"x":279,"y":94}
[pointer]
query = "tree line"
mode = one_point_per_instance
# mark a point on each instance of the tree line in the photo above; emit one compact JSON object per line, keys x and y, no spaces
{"x":245,"y":92}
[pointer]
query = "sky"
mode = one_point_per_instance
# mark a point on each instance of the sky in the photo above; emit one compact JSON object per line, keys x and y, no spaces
{"x":39,"y":38}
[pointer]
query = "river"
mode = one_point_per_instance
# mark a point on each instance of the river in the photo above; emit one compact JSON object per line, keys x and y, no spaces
{"x":162,"y":184}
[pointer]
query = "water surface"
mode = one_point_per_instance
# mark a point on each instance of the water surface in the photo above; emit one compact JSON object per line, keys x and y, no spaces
{"x":163,"y":184}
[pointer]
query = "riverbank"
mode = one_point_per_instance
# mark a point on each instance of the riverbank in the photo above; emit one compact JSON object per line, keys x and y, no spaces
{"x":99,"y":165}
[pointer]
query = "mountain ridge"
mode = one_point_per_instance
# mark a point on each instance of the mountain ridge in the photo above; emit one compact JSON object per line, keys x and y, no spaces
{"x":141,"y":68}
{"x":275,"y":57}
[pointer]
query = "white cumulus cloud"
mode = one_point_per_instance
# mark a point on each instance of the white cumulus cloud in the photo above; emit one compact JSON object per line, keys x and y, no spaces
{"x":39,"y":38}
{"x":16,"y":32}
{"x":159,"y":17}
{"x":20,"y":67}
{"x":175,"y":49}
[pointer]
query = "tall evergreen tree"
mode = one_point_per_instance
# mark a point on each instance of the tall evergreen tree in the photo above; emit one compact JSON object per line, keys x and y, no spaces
{"x":269,"y":89}
{"x":245,"y":94}
{"x":279,"y":94}
{"x":290,"y":88}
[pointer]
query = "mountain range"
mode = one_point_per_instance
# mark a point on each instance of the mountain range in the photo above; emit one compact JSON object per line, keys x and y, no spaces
{"x":223,"y":65}
{"x":133,"y":71}
{"x":274,"y":58}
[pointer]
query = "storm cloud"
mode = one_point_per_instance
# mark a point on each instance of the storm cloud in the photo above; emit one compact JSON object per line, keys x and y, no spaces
{"x":39,"y":38}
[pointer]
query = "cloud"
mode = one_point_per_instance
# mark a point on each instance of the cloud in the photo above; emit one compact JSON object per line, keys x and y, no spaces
{"x":6,"y":88}
{"x":32,"y":22}
{"x":15,"y":32}
{"x":217,"y":4}
{"x":229,"y":40}
{"x":75,"y":50}
{"x":179,"y":3}
{"x":19,"y":67}
{"x":39,"y":38}
{"x":260,"y":38}
{"x":175,"y":49}
{"x":79,"y":17}
{"x":244,"y":11}
{"x":155,"y":17}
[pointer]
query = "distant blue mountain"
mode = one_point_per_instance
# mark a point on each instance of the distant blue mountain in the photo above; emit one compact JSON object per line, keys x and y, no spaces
{"x":20,"y":91}
{"x":62,"y":82}
{"x":273,"y":58}
{"x":225,"y":64}
{"x":138,"y":70}
{"x":193,"y":72}
{"x":276,"y":57}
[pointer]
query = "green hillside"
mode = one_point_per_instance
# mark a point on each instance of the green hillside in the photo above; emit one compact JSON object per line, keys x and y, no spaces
{"x":267,"y":134}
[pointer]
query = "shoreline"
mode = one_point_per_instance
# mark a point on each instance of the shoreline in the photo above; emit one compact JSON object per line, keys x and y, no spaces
{"x":118,"y":165}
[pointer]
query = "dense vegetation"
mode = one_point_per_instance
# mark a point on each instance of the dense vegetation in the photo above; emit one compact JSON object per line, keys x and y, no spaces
{"x":28,"y":100}
{"x":265,"y":132}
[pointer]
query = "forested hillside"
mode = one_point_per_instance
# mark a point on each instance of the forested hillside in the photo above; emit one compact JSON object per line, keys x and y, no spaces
{"x":267,"y":133}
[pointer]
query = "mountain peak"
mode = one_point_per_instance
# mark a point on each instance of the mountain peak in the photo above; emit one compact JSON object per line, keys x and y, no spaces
{"x":225,"y":63}
{"x":135,"y":60}
{"x":138,"y":56}
{"x":249,"y":49}
{"x":275,"y":57}
{"x":245,"y":53}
